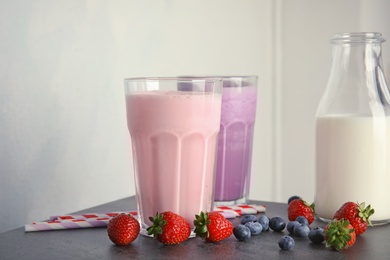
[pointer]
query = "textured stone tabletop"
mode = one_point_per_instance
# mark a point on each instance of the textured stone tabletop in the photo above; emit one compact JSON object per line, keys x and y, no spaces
{"x":93,"y":243}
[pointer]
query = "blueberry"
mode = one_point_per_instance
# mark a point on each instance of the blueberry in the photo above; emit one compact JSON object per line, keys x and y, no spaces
{"x":291,"y":225}
{"x":248,"y":218}
{"x":286,"y":243}
{"x":292,"y":198}
{"x":254,"y":227}
{"x":277,"y":224}
{"x":301,"y":230}
{"x":264,"y":221}
{"x":241,"y":232}
{"x":302,"y":220}
{"x":316,"y":235}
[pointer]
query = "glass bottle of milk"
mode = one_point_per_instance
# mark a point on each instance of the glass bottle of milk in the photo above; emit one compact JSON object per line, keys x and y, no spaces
{"x":353,"y":129}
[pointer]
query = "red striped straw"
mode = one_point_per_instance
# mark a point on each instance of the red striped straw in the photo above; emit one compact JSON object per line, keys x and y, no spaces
{"x":66,"y":224}
{"x":91,"y":220}
{"x":92,"y":215}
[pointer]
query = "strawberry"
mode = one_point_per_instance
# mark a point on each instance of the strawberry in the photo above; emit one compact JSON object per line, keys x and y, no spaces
{"x":169,"y":228}
{"x":299,"y":207}
{"x":123,"y":229}
{"x":212,"y":227}
{"x":357,"y":214}
{"x":339,"y":234}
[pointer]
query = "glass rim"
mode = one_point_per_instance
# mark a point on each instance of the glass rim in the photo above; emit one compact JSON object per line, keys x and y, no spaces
{"x":197,"y":78}
{"x":234,"y":76}
{"x":357,"y":38}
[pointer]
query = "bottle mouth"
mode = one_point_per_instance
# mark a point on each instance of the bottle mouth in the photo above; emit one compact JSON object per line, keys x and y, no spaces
{"x":357,"y":38}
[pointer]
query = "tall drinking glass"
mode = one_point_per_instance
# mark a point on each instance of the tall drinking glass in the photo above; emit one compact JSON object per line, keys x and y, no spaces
{"x":174,"y":125}
{"x":239,"y":98}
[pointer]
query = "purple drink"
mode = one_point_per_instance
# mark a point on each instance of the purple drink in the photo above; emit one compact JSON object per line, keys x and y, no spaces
{"x":236,"y":139}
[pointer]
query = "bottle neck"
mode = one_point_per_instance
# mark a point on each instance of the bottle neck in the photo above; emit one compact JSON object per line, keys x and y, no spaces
{"x":356,"y":58}
{"x":358,"y":53}
{"x":356,"y":83}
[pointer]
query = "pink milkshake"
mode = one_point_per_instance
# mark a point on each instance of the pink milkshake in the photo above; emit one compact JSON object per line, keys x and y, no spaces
{"x":174,"y":141}
{"x":235,"y":140}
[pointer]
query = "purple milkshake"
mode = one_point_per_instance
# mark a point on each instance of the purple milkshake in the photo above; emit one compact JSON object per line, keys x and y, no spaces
{"x":235,"y":139}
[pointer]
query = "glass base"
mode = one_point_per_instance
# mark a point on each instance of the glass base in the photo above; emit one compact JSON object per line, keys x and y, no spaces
{"x":373,"y":222}
{"x":230,"y":202}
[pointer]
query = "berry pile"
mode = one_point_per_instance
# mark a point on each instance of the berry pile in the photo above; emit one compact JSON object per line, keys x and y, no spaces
{"x":350,"y":221}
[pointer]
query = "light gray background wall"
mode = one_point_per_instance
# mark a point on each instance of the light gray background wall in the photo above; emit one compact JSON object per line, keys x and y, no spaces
{"x":64,"y":144}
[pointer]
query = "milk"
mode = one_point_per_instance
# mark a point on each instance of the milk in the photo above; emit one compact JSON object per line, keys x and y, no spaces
{"x":353,"y":164}
{"x":174,"y":140}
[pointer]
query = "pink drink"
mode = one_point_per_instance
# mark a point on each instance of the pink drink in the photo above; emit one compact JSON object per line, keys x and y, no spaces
{"x":174,"y":140}
{"x":235,"y":144}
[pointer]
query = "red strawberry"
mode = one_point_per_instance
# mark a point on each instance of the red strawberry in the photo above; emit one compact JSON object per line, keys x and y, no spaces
{"x":339,"y":234}
{"x":123,"y":229}
{"x":357,"y":214}
{"x":212,"y":227}
{"x":169,"y":228}
{"x":299,"y":207}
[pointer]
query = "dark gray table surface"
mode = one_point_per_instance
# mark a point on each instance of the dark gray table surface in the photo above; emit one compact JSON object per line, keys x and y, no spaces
{"x":93,"y":243}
